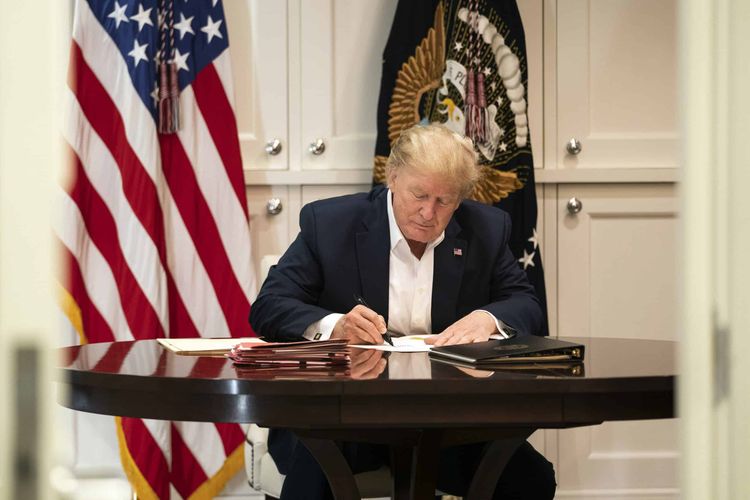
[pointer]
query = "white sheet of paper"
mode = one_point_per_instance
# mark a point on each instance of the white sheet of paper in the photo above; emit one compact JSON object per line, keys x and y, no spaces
{"x":407,"y":343}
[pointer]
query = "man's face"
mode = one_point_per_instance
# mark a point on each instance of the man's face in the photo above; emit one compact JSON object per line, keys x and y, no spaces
{"x":422,"y":204}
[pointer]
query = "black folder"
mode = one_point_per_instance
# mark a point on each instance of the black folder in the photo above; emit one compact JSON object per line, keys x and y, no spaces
{"x":544,"y":369}
{"x":520,"y":349}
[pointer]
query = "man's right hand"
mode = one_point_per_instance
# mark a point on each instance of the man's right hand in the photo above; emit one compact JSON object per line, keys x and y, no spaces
{"x":361,"y":325}
{"x":367,"y":363}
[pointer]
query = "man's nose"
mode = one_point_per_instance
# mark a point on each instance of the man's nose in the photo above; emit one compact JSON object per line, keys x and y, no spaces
{"x":427,"y":211}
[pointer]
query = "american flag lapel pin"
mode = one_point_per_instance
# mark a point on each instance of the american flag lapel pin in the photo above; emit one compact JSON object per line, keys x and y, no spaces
{"x":458,"y":252}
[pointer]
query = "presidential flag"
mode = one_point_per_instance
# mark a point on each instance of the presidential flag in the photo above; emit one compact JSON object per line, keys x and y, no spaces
{"x":462,"y":63}
{"x":154,"y":228}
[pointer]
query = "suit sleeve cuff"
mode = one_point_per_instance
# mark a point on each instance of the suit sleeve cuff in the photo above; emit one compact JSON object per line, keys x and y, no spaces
{"x":502,"y":334}
{"x":322,"y":330}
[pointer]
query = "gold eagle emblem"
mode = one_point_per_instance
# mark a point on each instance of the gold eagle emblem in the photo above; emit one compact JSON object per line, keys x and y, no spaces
{"x":422,"y":73}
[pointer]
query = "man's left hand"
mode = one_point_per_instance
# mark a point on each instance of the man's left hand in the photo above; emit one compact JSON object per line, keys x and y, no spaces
{"x":475,"y":327}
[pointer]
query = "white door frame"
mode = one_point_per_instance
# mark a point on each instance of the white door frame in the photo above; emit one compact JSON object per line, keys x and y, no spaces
{"x":714,"y":392}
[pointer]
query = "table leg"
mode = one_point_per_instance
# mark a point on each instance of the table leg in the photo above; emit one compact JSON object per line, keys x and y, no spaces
{"x":335,"y":467}
{"x":414,"y":467}
{"x":401,"y":458}
{"x":424,"y":467}
{"x":493,"y":462}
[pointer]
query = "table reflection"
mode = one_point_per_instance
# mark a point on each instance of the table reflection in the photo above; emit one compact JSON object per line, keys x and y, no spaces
{"x":605,"y":358}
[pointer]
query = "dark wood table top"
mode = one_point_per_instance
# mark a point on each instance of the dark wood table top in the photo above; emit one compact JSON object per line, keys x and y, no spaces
{"x":621,"y":379}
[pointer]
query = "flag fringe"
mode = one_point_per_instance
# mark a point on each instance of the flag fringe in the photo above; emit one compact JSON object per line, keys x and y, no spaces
{"x":138,"y":482}
{"x":72,"y":312}
{"x":209,"y":489}
{"x":213,"y":485}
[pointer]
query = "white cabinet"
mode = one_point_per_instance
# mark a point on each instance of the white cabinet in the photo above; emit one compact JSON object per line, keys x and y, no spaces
{"x":307,"y":71}
{"x":635,"y":459}
{"x":616,"y":83}
{"x":341,"y":49}
{"x":616,"y":278}
{"x":610,"y":83}
{"x":616,"y":261}
{"x":258,"y":44}
{"x":270,"y":233}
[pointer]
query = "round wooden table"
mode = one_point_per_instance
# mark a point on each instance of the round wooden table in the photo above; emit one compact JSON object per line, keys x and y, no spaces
{"x":412,"y":403}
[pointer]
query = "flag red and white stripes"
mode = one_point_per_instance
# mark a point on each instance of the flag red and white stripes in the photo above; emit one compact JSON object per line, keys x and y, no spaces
{"x":154,"y":232}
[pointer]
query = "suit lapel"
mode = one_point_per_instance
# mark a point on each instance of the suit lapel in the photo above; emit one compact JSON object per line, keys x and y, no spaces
{"x":446,"y":280}
{"x":373,"y":254}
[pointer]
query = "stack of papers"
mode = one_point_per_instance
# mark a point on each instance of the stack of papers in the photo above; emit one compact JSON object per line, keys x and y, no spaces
{"x":308,"y":354}
{"x":204,"y":346}
{"x":295,"y":372}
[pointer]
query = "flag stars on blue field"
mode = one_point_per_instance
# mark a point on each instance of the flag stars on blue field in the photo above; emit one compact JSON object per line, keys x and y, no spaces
{"x":199,"y":37}
{"x":138,"y":53}
{"x":185,"y":25}
{"x":118,"y":14}
{"x":143,"y":17}
{"x":211,"y":29}
{"x":180,"y":60}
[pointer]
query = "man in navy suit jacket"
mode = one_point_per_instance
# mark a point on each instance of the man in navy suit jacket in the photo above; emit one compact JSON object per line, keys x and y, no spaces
{"x":387,"y":249}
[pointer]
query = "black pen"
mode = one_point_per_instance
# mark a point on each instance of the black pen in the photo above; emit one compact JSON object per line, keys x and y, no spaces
{"x":361,"y":301}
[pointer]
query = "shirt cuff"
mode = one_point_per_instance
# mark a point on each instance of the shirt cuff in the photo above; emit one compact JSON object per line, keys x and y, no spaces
{"x":322,"y":330}
{"x":502,"y":334}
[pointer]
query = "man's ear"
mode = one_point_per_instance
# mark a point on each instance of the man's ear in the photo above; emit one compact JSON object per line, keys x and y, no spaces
{"x":391,"y":178}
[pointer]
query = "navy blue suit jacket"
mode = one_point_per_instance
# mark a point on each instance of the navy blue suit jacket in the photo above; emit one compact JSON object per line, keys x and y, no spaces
{"x":343,"y":249}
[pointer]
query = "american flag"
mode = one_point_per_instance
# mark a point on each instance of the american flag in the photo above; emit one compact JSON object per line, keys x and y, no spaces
{"x":154,"y":229}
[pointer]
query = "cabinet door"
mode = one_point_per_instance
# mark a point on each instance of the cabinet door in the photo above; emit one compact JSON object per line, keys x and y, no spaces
{"x":616,"y":278}
{"x":616,"y":83}
{"x":616,"y":261}
{"x":341,"y":49}
{"x":269,"y":232}
{"x":637,"y":459}
{"x":258,"y":48}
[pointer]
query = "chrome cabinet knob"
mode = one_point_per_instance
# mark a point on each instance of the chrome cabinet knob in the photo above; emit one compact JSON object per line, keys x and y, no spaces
{"x":274,"y":206}
{"x":573,"y":146}
{"x":273,"y":147}
{"x":574,"y":206}
{"x":317,"y":147}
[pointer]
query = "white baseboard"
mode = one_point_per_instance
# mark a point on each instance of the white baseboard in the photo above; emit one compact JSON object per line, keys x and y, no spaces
{"x":640,"y":494}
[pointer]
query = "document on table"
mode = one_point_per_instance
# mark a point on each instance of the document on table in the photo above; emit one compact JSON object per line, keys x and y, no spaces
{"x":204,"y":346}
{"x":406,"y":343}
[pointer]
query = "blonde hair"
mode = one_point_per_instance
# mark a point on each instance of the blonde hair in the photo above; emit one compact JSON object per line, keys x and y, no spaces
{"x":435,"y":149}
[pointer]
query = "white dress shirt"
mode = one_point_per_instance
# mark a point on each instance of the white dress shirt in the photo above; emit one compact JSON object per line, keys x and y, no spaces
{"x":409,"y":282}
{"x":409,"y":288}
